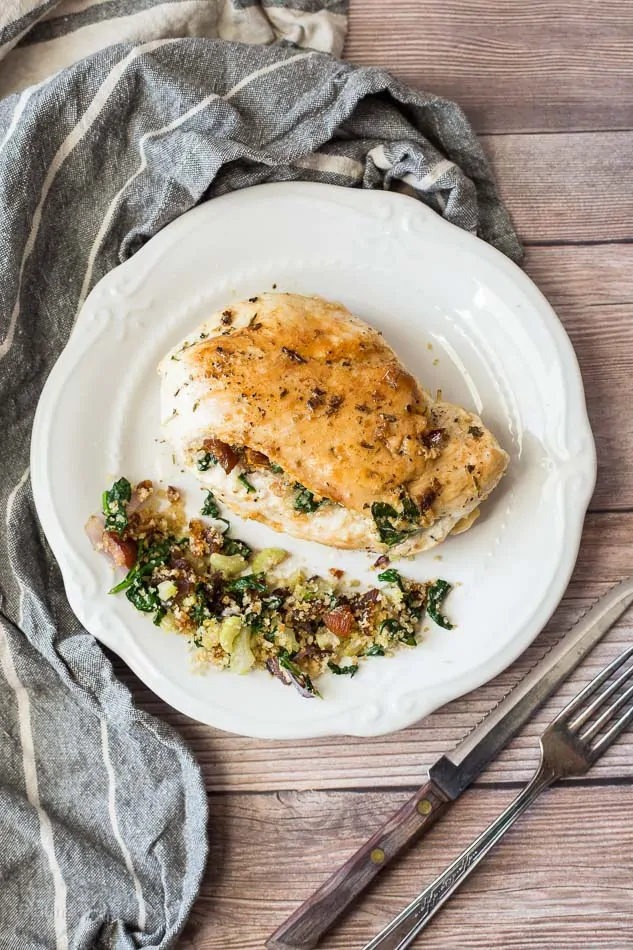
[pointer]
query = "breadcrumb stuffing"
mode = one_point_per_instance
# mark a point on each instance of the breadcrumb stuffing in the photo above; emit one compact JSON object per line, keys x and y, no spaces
{"x":201,"y":583}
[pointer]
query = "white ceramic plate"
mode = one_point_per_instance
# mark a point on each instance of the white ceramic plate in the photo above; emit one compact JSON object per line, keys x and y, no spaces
{"x":461,"y":317}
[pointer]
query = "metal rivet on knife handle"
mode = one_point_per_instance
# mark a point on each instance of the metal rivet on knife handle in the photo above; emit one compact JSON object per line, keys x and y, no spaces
{"x":310,"y":921}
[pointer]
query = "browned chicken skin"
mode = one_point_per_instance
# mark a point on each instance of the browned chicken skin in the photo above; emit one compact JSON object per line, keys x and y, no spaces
{"x":301,"y":383}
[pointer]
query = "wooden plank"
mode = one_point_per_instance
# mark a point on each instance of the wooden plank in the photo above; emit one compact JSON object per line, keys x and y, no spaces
{"x":591,"y":289}
{"x":590,"y":280}
{"x":561,"y":878}
{"x":237,"y":763}
{"x":567,"y":187}
{"x":513,"y":65}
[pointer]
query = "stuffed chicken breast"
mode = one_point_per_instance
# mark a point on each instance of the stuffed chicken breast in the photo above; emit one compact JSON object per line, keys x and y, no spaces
{"x":298,"y":414}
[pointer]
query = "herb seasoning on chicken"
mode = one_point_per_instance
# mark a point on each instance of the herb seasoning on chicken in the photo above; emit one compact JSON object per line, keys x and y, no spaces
{"x":298,"y":414}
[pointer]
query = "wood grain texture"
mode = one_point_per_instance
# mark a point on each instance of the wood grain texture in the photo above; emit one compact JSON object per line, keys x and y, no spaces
{"x":591,"y":289}
{"x":234,"y":762}
{"x":561,"y":878}
{"x":513,"y":65}
{"x":568,"y":187}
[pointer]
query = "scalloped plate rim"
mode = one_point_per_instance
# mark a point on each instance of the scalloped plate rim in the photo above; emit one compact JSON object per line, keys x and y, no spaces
{"x":124,"y":645}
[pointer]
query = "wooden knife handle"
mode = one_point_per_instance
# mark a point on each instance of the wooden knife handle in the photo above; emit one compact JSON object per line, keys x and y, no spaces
{"x":303,"y":929}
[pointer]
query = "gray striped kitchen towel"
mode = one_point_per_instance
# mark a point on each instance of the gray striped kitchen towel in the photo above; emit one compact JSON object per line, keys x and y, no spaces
{"x":116,"y":116}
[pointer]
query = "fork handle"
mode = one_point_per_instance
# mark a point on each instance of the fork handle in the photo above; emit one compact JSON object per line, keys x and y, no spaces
{"x":404,"y":928}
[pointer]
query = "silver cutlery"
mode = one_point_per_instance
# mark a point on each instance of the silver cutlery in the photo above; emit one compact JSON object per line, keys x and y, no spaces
{"x":449,"y":776}
{"x":570,"y":745}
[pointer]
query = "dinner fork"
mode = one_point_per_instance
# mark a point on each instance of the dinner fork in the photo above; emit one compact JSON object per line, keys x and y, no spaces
{"x":570,"y":745}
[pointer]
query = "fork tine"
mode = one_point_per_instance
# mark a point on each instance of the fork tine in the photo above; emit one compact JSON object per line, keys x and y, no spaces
{"x":578,"y":701}
{"x":608,"y":714}
{"x":605,"y":741}
{"x":600,"y":700}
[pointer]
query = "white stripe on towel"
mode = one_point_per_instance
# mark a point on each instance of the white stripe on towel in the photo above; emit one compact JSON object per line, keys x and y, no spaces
{"x":32,"y":791}
{"x":114,"y":821}
{"x":64,"y":150}
{"x":379,"y":157}
{"x":10,"y":502}
{"x":107,"y":218}
{"x":431,"y":177}
{"x":324,"y":30}
{"x":337,"y":164}
{"x":29,"y":64}
{"x":19,"y":109}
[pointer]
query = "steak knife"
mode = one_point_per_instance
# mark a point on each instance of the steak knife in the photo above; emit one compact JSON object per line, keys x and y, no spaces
{"x":450,"y":775}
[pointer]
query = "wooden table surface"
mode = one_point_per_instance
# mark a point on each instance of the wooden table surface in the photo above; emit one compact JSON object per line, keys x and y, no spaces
{"x":549,"y":86}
